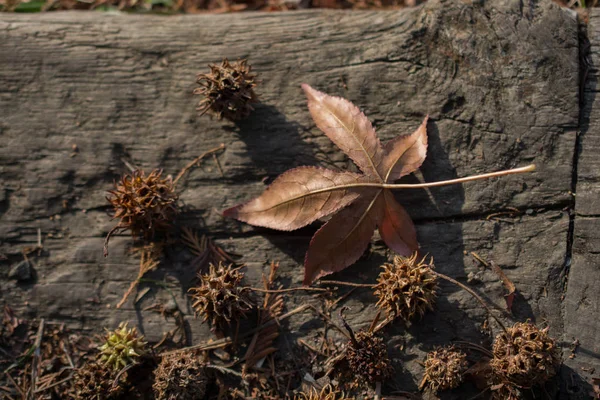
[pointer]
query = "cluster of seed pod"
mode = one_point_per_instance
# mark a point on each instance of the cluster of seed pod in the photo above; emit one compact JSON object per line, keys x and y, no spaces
{"x":180,"y":376}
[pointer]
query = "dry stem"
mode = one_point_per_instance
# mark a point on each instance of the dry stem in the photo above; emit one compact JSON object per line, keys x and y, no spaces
{"x":195,"y":161}
{"x":472,"y":293}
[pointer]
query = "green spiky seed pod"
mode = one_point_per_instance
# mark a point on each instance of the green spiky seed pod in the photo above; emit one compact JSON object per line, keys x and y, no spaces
{"x":406,"y":289}
{"x":368,"y":357}
{"x":180,"y":376}
{"x":219,"y":297}
{"x":228,"y":90}
{"x":121,"y":347}
{"x":524,"y":356}
{"x":444,"y":369}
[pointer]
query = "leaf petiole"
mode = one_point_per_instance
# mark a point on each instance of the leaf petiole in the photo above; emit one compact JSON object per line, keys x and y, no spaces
{"x":520,"y":170}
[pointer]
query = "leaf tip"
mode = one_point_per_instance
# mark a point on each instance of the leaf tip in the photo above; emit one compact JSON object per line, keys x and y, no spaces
{"x":311,"y":94}
{"x":230,"y":212}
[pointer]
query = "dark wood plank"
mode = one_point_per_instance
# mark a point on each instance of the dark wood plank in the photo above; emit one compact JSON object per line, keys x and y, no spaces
{"x":500,"y":82}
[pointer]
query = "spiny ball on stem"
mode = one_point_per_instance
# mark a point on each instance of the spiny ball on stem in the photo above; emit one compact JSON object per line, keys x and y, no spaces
{"x":228,"y":90}
{"x":524,"y":356}
{"x":94,"y":381}
{"x":406,"y":288}
{"x":368,"y":357}
{"x":180,"y":376}
{"x":327,"y":393}
{"x":121,"y":347}
{"x":144,"y":203}
{"x":219,"y":297}
{"x":444,"y":369}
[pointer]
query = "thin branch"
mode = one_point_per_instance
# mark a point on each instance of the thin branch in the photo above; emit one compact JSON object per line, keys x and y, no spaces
{"x":68,"y":378}
{"x":113,"y":230}
{"x":474,"y":346}
{"x":342,"y":283}
{"x":472,"y":293}
{"x":302,"y":288}
{"x":228,"y":340}
{"x":195,"y":161}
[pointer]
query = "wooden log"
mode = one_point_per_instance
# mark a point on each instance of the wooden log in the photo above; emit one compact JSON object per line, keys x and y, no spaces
{"x":500,"y":83}
{"x":581,"y":305}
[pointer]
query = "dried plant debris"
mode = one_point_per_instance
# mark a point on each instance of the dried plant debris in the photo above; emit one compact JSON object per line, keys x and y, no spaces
{"x":524,"y":356}
{"x":122,"y":347}
{"x":97,"y":381}
{"x":444,"y":369}
{"x":406,"y":288}
{"x":206,"y":251}
{"x":262,"y":343}
{"x":368,"y":357}
{"x":326,"y":393}
{"x":180,"y":376}
{"x":219,"y":298}
{"x":228,"y":90}
{"x":39,"y":356}
{"x":143,"y":204}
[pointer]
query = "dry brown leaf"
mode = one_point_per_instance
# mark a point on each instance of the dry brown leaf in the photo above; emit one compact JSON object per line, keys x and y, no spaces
{"x":512,"y":290}
{"x":303,"y":195}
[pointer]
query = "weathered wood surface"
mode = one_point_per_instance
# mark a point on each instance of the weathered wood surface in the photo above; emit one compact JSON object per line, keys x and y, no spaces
{"x":582,"y":306}
{"x":500,"y":81}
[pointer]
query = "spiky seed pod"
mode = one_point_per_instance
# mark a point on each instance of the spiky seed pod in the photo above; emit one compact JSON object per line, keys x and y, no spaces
{"x":121,"y":347}
{"x":368,"y":357}
{"x":228,"y":90}
{"x":94,"y":381}
{"x":406,"y":288}
{"x":219,"y":297}
{"x":524,"y":356}
{"x":144,"y":203}
{"x":327,"y":393}
{"x":180,"y":376}
{"x":444,"y":368}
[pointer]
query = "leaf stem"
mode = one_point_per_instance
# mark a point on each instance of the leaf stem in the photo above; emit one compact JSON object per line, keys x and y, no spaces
{"x":520,"y":170}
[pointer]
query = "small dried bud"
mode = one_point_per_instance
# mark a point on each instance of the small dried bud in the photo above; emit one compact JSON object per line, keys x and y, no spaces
{"x":144,"y":204}
{"x":228,"y":90}
{"x":219,"y":298}
{"x":180,"y":376}
{"x":406,"y":289}
{"x":524,"y":356}
{"x":444,"y":369}
{"x":327,"y":393}
{"x":121,"y":347}
{"x":368,"y":357}
{"x":94,"y":381}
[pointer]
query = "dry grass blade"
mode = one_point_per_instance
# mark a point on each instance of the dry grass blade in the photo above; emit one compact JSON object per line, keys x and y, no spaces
{"x":272,"y":308}
{"x":512,"y":290}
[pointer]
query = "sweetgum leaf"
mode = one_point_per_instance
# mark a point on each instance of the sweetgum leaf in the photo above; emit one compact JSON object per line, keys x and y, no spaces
{"x":303,"y":195}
